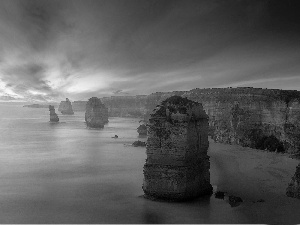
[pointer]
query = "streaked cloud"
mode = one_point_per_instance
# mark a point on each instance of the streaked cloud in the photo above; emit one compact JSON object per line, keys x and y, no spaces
{"x":52,"y":49}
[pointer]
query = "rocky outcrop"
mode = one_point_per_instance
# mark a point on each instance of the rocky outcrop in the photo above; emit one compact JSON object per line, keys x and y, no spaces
{"x":96,"y":114}
{"x":139,"y":143}
{"x":142,"y":130}
{"x":65,"y":107}
{"x":177,"y":164}
{"x":293,"y":190}
{"x":53,"y":116}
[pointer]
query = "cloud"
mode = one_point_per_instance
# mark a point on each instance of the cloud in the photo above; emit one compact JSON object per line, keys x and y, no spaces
{"x":56,"y":49}
{"x":7,"y":98}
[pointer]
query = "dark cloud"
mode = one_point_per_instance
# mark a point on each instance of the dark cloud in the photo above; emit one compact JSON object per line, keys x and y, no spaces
{"x":142,"y":46}
{"x":30,"y":75}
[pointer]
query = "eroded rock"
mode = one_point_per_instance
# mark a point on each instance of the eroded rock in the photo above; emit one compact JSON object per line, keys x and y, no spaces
{"x":96,"y":114}
{"x":220,"y":194}
{"x":139,"y":143}
{"x":234,"y":201}
{"x":177,"y":164}
{"x":53,"y":115}
{"x":65,"y":107}
{"x":293,"y":190}
{"x":142,"y":130}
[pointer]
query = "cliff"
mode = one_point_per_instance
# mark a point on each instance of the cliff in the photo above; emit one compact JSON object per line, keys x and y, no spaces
{"x":96,"y":114}
{"x":36,"y":106}
{"x":254,"y":117}
{"x":79,"y":106}
{"x":125,"y":106}
{"x":119,"y":106}
{"x":177,"y":164}
{"x":53,"y":115}
{"x":65,"y":107}
{"x":250,"y":117}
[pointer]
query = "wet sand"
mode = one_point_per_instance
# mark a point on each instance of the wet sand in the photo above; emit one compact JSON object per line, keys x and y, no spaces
{"x":253,"y":175}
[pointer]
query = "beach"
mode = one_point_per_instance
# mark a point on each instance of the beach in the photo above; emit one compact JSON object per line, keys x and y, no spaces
{"x":254,"y":175}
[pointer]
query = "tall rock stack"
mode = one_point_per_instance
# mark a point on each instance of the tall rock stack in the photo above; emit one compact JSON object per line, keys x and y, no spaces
{"x":177,"y":164}
{"x":53,"y":115}
{"x":293,"y":190}
{"x":65,"y":107}
{"x":96,"y":114}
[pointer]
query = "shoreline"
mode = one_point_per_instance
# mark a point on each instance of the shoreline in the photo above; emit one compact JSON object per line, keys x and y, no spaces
{"x":254,"y":174}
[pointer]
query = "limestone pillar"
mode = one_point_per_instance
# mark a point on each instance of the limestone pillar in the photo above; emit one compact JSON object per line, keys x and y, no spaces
{"x":53,"y":115}
{"x":177,"y":164}
{"x":96,"y":114}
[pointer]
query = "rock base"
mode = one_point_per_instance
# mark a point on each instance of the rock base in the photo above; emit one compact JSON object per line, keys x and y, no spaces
{"x":293,"y":190}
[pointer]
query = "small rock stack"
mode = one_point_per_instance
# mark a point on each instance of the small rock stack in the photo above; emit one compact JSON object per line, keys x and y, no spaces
{"x":293,"y":190}
{"x":65,"y":107}
{"x":96,"y":114}
{"x":142,"y":130}
{"x":53,"y":115}
{"x":177,"y":164}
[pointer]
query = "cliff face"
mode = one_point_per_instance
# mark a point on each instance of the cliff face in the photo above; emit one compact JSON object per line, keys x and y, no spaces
{"x":96,"y":114}
{"x":79,"y":106}
{"x":53,"y":115}
{"x":119,"y":106}
{"x":177,"y":164}
{"x":250,"y":117}
{"x":246,"y":116}
{"x":65,"y":107}
{"x":125,"y":106}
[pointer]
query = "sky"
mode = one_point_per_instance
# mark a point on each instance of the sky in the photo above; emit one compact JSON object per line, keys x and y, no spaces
{"x":53,"y":49}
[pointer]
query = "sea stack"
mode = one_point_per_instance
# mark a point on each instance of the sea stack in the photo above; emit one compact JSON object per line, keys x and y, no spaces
{"x":65,"y":107}
{"x":53,"y":116}
{"x":142,"y":130}
{"x":96,"y":114}
{"x":293,"y":190}
{"x":177,"y":164}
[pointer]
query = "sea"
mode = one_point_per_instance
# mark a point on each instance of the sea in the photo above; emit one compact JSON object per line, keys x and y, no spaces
{"x":68,"y":173}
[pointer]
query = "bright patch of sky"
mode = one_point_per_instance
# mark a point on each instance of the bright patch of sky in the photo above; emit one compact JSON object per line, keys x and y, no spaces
{"x":53,"y":49}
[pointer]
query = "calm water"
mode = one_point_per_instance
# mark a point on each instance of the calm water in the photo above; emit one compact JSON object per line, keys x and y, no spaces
{"x":66,"y":173}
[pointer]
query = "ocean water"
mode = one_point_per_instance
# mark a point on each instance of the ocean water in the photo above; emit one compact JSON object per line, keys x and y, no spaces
{"x":67,"y":173}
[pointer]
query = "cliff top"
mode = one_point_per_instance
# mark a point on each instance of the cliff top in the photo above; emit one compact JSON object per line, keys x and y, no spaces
{"x":94,"y":102}
{"x":177,"y":104}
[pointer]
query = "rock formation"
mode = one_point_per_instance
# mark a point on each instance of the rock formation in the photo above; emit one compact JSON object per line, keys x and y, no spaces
{"x":250,"y":117}
{"x":293,"y":190}
{"x":177,"y":164}
{"x":65,"y":107}
{"x":139,"y":143}
{"x":142,"y":130}
{"x":96,"y":114}
{"x":53,"y":115}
